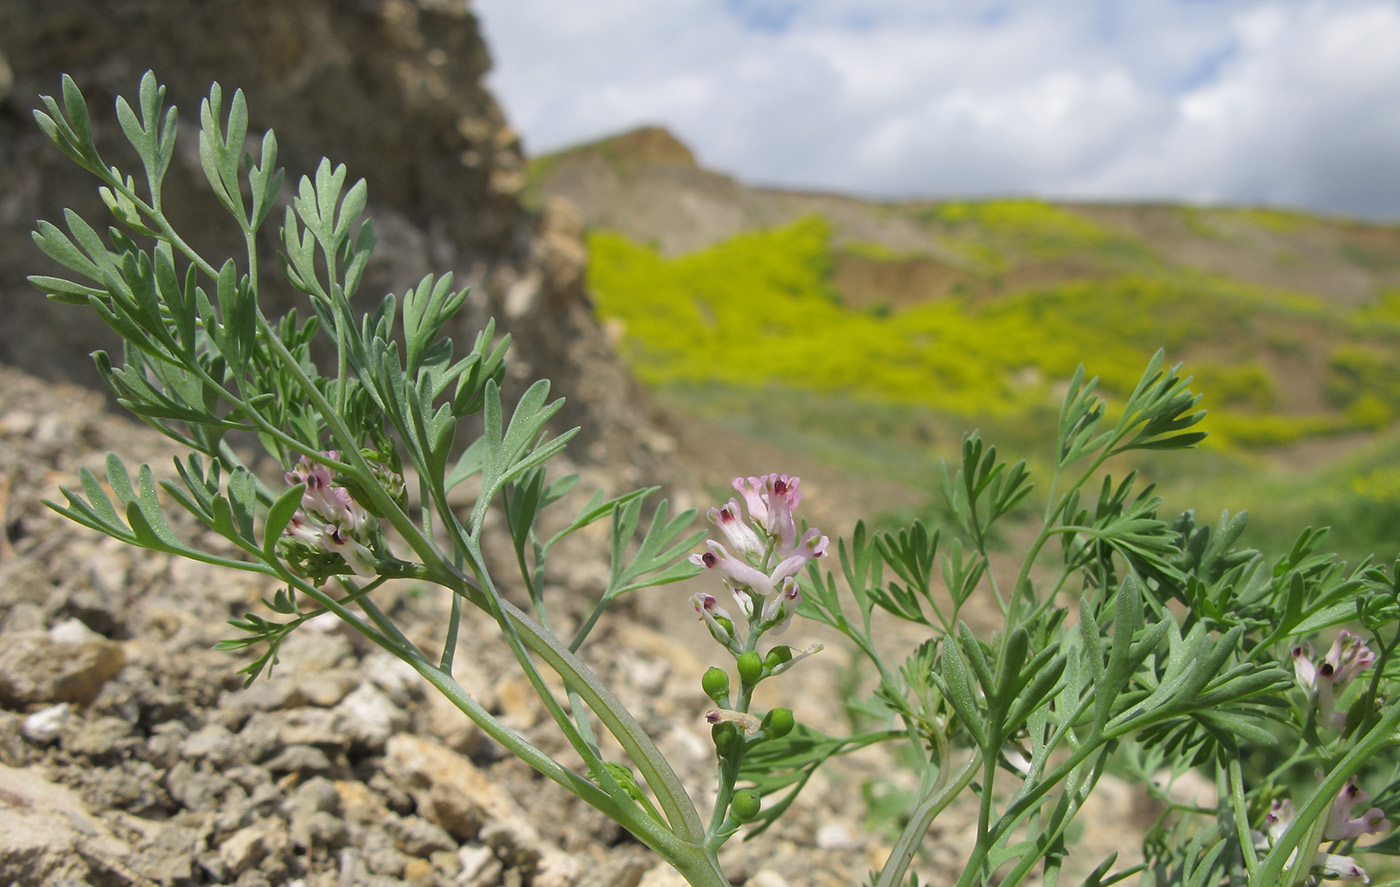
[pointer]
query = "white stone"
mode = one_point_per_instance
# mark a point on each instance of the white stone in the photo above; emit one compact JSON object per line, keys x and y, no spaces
{"x":72,"y":631}
{"x":45,"y":725}
{"x":835,"y":836}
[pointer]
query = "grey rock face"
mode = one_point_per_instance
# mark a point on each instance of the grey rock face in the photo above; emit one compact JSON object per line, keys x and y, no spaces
{"x":391,"y":88}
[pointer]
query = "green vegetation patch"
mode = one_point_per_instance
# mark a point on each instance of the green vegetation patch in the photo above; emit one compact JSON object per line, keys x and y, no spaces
{"x":1028,"y":228}
{"x":759,"y":310}
{"x":1225,"y":224}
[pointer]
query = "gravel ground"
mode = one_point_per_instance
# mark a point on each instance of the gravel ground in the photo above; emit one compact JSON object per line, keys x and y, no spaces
{"x":131,"y":754}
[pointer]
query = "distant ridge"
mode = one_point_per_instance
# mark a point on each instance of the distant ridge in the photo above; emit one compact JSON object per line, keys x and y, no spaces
{"x":651,"y":145}
{"x":647,"y":185}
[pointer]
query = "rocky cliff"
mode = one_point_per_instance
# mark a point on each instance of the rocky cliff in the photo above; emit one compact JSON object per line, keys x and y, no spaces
{"x":391,"y":88}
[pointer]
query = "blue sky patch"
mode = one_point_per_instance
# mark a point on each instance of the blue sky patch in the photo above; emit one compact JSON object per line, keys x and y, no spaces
{"x":766,"y":16}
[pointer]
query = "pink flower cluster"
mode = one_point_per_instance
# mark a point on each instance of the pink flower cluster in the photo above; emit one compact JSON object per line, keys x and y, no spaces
{"x":329,"y":519}
{"x":769,"y":554}
{"x":1348,"y":657}
{"x":1341,"y":826}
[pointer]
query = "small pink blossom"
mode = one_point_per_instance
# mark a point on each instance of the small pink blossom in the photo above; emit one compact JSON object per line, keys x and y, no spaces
{"x":1333,"y":867}
{"x":730,"y":521}
{"x":330,"y":519}
{"x":711,"y":612}
{"x":779,"y":608}
{"x":1347,"y":658}
{"x":1341,"y":826}
{"x":771,"y":500}
{"x":740,"y":576}
{"x":1279,"y":817}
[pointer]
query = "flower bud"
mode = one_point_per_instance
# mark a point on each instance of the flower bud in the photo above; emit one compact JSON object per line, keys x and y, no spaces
{"x":778,"y":723}
{"x":778,"y":656}
{"x":750,"y":668}
{"x":715,"y":683}
{"x":746,"y":805}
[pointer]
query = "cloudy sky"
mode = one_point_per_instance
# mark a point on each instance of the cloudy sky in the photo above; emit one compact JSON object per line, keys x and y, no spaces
{"x":1276,"y":102}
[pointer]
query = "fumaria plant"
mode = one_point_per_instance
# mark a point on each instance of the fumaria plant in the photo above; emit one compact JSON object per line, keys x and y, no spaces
{"x":1130,"y":642}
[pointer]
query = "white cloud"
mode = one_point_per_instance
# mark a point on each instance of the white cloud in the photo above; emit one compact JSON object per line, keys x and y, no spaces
{"x":1275,"y":101}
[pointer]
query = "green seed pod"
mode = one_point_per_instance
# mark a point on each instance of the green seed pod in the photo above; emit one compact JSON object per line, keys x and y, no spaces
{"x":727,"y":739}
{"x":746,"y":805}
{"x":715,"y":682}
{"x":778,"y":723}
{"x":777,"y":656}
{"x":750,"y":668}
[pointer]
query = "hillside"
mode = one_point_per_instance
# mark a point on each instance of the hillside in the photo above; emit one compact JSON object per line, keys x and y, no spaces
{"x":913,"y":321}
{"x":647,"y":185}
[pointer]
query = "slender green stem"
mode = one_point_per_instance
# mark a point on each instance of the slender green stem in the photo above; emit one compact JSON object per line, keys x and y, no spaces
{"x":1075,"y":794}
{"x":729,"y":770}
{"x":984,"y":802}
{"x":449,"y":644}
{"x":928,"y":807}
{"x":588,"y":624}
{"x":656,"y":772}
{"x":699,"y":867}
{"x":669,"y":792}
{"x":1048,"y":600}
{"x":1240,"y":814}
{"x":387,"y":626}
{"x":166,"y":229}
{"x":341,"y":365}
{"x":586,"y":749}
{"x":250,"y":246}
{"x":1021,"y":806}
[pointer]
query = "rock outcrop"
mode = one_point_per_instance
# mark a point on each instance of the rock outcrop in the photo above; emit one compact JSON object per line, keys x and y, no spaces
{"x":391,"y":88}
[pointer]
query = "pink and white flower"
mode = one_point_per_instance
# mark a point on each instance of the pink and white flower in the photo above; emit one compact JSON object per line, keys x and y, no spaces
{"x":716,"y":618}
{"x":769,"y":553}
{"x":1348,"y":657}
{"x":1341,"y":826}
{"x":330,"y":520}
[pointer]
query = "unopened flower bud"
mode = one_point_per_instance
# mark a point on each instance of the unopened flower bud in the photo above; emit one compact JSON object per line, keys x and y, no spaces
{"x":745,"y":805}
{"x":715,"y":683}
{"x":750,"y":668}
